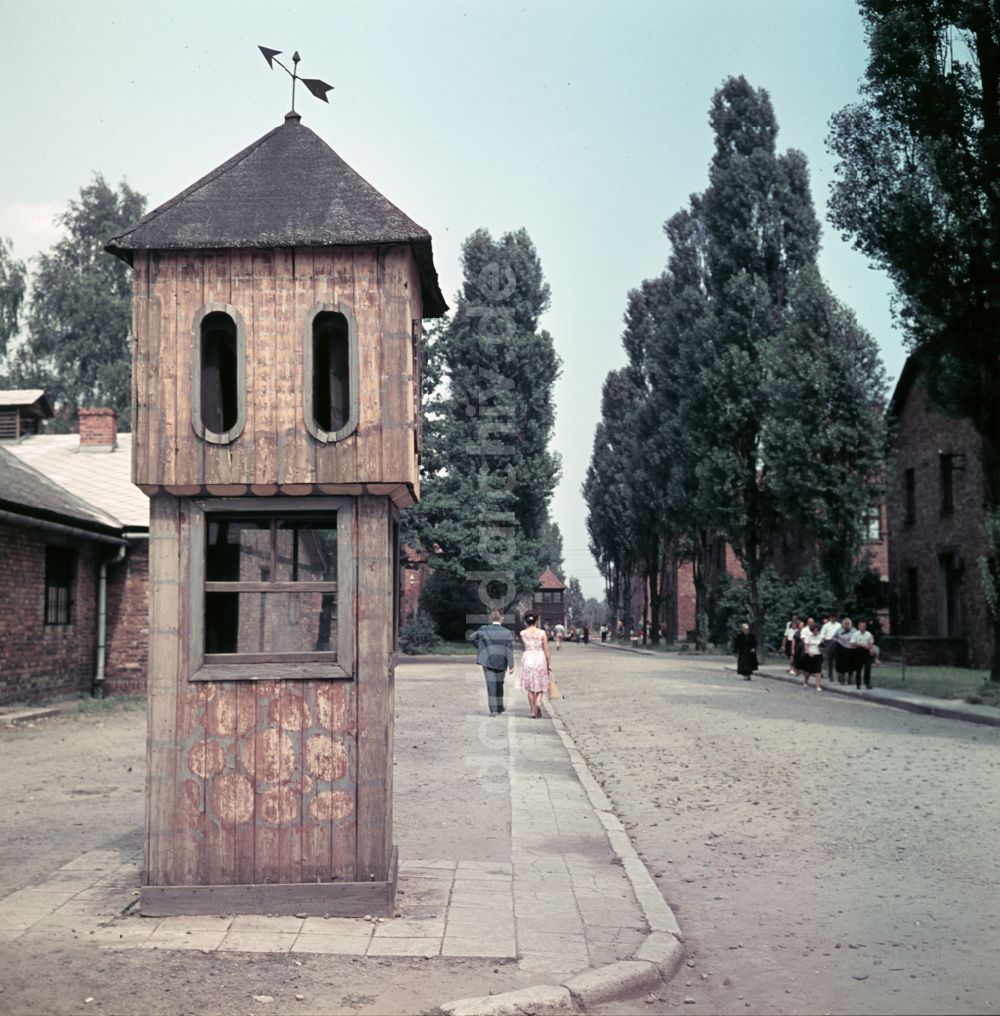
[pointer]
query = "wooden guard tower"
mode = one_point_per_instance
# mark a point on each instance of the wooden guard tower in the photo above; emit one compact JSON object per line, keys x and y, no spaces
{"x":277,"y":315}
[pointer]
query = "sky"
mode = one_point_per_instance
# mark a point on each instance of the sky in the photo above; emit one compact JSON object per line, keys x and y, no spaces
{"x":584,"y":122}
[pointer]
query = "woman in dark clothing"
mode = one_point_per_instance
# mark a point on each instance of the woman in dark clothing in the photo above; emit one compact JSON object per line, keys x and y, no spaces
{"x":745,"y":648}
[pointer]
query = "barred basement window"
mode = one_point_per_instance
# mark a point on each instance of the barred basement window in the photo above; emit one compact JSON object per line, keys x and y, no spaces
{"x":60,"y":578}
{"x":331,"y":373}
{"x":219,"y":374}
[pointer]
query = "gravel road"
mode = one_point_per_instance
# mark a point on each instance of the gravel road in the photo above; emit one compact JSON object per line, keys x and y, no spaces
{"x":821,"y":855}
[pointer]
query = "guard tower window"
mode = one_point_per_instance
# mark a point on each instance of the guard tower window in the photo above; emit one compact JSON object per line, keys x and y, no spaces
{"x":270,"y":588}
{"x":218,"y":372}
{"x":331,"y":373}
{"x":219,"y":375}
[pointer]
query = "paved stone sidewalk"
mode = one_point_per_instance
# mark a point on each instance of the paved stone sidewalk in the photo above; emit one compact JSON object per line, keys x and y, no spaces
{"x":562,"y":904}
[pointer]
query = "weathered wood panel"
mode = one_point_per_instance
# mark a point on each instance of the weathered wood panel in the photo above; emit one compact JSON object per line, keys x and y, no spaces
{"x":299,"y":464}
{"x":161,"y":751}
{"x":190,"y":299}
{"x":189,"y":803}
{"x":224,"y":465}
{"x":333,"y":275}
{"x":396,"y":393}
{"x":368,"y":311}
{"x":235,"y":798}
{"x":287,"y":368}
{"x":165,"y":389}
{"x":140,"y":355}
{"x":338,"y":899}
{"x":374,"y":595}
{"x":274,"y":292}
{"x":242,"y":298}
{"x":262,"y":392}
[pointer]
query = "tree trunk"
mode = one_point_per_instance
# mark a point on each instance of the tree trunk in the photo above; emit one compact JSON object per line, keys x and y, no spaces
{"x":699,"y":557}
{"x":653,"y":585}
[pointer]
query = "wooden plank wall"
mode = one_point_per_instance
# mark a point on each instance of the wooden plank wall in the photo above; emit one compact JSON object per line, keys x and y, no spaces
{"x":256,"y":782}
{"x":375,"y":686}
{"x":274,"y":291}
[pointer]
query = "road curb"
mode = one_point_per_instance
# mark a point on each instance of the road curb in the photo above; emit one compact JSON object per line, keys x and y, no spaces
{"x":924,"y":704}
{"x":657,"y":959}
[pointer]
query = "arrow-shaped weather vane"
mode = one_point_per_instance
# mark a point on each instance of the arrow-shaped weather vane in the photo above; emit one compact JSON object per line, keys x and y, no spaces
{"x":317,"y":87}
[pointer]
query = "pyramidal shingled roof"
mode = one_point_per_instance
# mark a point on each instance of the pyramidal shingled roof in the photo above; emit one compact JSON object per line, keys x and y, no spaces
{"x":549,"y":580}
{"x":288,"y":189}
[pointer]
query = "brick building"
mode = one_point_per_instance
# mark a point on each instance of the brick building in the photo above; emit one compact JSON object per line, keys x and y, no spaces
{"x":73,"y":536}
{"x":936,"y":534}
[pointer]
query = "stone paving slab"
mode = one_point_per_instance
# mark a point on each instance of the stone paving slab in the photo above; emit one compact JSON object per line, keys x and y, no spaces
{"x":564,"y":903}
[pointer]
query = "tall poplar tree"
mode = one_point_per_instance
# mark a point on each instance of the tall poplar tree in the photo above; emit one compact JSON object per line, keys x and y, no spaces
{"x":761,"y":231}
{"x":488,"y":472}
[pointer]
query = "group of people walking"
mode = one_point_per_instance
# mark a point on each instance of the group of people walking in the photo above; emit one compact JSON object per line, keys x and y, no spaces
{"x":495,"y":645}
{"x":836,"y":647}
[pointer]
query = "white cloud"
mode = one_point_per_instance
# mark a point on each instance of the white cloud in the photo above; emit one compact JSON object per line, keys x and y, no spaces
{"x":30,"y":226}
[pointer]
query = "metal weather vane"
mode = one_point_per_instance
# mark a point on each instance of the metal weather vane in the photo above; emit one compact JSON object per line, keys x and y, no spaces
{"x":317,"y":87}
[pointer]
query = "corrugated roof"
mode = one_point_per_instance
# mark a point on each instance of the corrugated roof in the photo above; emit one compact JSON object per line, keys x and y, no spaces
{"x":549,"y":580}
{"x":287,"y":189}
{"x":101,"y":478}
{"x":23,"y":487}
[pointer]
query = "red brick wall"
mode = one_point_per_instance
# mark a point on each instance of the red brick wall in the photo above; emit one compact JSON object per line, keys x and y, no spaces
{"x":128,"y":622}
{"x":920,"y":436}
{"x":98,"y":427}
{"x":40,"y":661}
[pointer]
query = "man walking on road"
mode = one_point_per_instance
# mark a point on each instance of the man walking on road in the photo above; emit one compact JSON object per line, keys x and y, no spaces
{"x":495,"y":645}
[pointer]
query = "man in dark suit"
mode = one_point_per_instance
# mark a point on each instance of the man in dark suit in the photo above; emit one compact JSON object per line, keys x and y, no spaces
{"x":495,"y":645}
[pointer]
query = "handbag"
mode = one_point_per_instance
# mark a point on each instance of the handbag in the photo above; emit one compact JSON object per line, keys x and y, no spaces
{"x":554,"y":691}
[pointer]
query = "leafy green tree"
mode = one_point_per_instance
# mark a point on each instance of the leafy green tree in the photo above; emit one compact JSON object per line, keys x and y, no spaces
{"x":607,"y":492}
{"x":12,"y":287}
{"x":825,"y":432}
{"x":488,"y":473}
{"x":752,"y":400}
{"x":552,"y":548}
{"x":760,"y":232}
{"x":79,"y":322}
{"x":918,"y":189}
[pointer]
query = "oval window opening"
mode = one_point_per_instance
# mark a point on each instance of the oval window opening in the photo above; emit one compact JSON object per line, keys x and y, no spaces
{"x":331,"y":381}
{"x":219,"y":402}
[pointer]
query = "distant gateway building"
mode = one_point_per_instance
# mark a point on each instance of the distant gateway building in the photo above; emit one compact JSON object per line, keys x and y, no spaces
{"x":550,"y":599}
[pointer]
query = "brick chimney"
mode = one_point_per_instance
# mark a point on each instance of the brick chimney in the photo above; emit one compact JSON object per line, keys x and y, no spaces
{"x":98,"y":429}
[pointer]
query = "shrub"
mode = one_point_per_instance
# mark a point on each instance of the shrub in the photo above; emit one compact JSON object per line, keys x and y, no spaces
{"x":419,"y":635}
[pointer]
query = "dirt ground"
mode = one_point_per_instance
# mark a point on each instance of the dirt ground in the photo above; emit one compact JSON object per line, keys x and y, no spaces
{"x":821,"y":855}
{"x":75,"y":782}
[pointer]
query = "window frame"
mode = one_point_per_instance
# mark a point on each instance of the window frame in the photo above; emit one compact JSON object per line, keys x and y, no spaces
{"x":909,"y":496}
{"x":351,"y":424}
{"x":277,"y":667}
{"x":64,"y":610}
{"x":873,"y":524}
{"x":197,"y":423}
{"x":946,"y":483}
